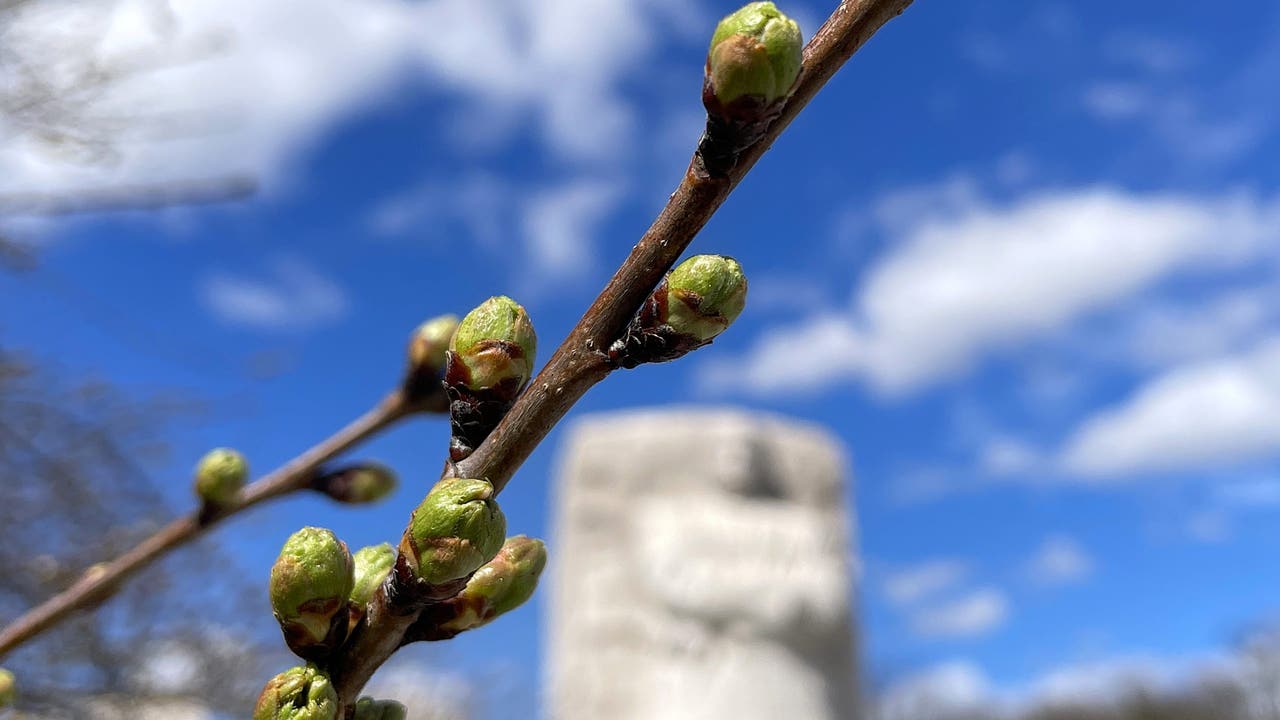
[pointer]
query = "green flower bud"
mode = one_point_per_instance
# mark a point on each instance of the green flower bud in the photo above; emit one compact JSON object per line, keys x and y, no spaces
{"x":8,"y":688}
{"x":704,"y":295}
{"x":755,"y":52}
{"x":309,"y":587}
{"x":429,"y":344}
{"x":220,"y":475}
{"x":370,"y":709}
{"x":358,"y":484}
{"x":457,"y":528}
{"x":502,"y":585}
{"x":372,"y":565}
{"x":494,"y":344}
{"x":300,"y":693}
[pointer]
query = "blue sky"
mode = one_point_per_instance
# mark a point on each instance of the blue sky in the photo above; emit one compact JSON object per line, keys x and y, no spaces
{"x":1025,"y":254}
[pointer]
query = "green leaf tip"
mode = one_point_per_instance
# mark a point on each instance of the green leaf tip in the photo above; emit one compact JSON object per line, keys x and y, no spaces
{"x":300,"y":693}
{"x":494,"y":344}
{"x":755,"y":52}
{"x":310,"y":583}
{"x":705,"y":294}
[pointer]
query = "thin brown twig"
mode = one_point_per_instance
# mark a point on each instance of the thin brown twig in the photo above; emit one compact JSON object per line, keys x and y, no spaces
{"x":293,"y":476}
{"x":579,"y":362}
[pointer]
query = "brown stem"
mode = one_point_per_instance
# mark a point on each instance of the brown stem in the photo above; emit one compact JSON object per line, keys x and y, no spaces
{"x":577,"y":364}
{"x":581,"y":360}
{"x":291,"y":477}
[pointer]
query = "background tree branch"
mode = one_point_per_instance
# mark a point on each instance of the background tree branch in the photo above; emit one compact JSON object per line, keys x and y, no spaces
{"x":580,"y":361}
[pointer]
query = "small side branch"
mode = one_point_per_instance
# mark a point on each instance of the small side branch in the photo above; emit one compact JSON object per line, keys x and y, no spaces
{"x":583,"y":360}
{"x":293,"y":476}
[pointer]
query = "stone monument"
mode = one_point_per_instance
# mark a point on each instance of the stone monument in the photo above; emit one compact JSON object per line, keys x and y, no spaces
{"x":700,"y":571}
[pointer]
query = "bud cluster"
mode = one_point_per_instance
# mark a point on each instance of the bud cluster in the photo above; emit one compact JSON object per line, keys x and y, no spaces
{"x":696,"y":302}
{"x":490,"y":360}
{"x":300,"y":693}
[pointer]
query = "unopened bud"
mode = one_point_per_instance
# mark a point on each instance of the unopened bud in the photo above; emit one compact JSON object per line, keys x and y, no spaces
{"x":220,"y":475}
{"x":755,"y":54}
{"x":8,"y":688}
{"x":429,"y":344}
{"x":704,"y":295}
{"x":372,"y":565}
{"x":494,"y":345}
{"x":502,"y":585}
{"x":370,"y":709}
{"x":300,"y":693}
{"x":358,"y":484}
{"x":457,"y":528}
{"x":310,"y":584}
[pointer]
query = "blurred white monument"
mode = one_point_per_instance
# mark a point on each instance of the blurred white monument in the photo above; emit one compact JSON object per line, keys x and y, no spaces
{"x":701,"y":570}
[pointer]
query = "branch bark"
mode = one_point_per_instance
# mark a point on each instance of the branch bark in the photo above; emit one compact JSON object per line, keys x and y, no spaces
{"x":580,"y":362}
{"x":291,"y":477}
{"x":577,"y":364}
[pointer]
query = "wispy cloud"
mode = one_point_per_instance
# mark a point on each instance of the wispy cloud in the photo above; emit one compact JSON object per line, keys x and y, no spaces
{"x":1060,"y":560}
{"x":291,"y":296}
{"x":911,"y":585}
{"x":559,"y":225}
{"x":977,"y":613}
{"x":975,"y":278}
{"x":554,"y":227}
{"x":961,"y":688}
{"x":281,"y":74}
{"x":1203,"y":415}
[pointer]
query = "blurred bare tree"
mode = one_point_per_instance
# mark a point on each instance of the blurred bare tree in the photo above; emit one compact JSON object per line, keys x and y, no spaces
{"x":54,"y":83}
{"x":1245,"y":687}
{"x":76,"y":492}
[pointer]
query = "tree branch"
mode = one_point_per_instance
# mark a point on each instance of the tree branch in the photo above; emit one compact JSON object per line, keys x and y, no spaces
{"x":577,"y":364}
{"x":580,"y":362}
{"x":293,"y":476}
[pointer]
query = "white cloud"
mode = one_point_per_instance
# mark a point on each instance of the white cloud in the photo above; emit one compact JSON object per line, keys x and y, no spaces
{"x":479,"y":203}
{"x":282,"y":73}
{"x":1250,"y":493}
{"x":1209,"y":526}
{"x":427,"y":695}
{"x":961,"y":688}
{"x":948,"y":688}
{"x":1008,"y":456}
{"x":294,"y":296}
{"x":831,"y":345}
{"x":1151,"y":53}
{"x":1174,"y":333}
{"x":920,"y":582}
{"x":1117,"y":101}
{"x":556,"y":226}
{"x":559,"y":223}
{"x":977,"y":278}
{"x":1060,"y":560}
{"x":976,"y":613}
{"x":1199,"y":416}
